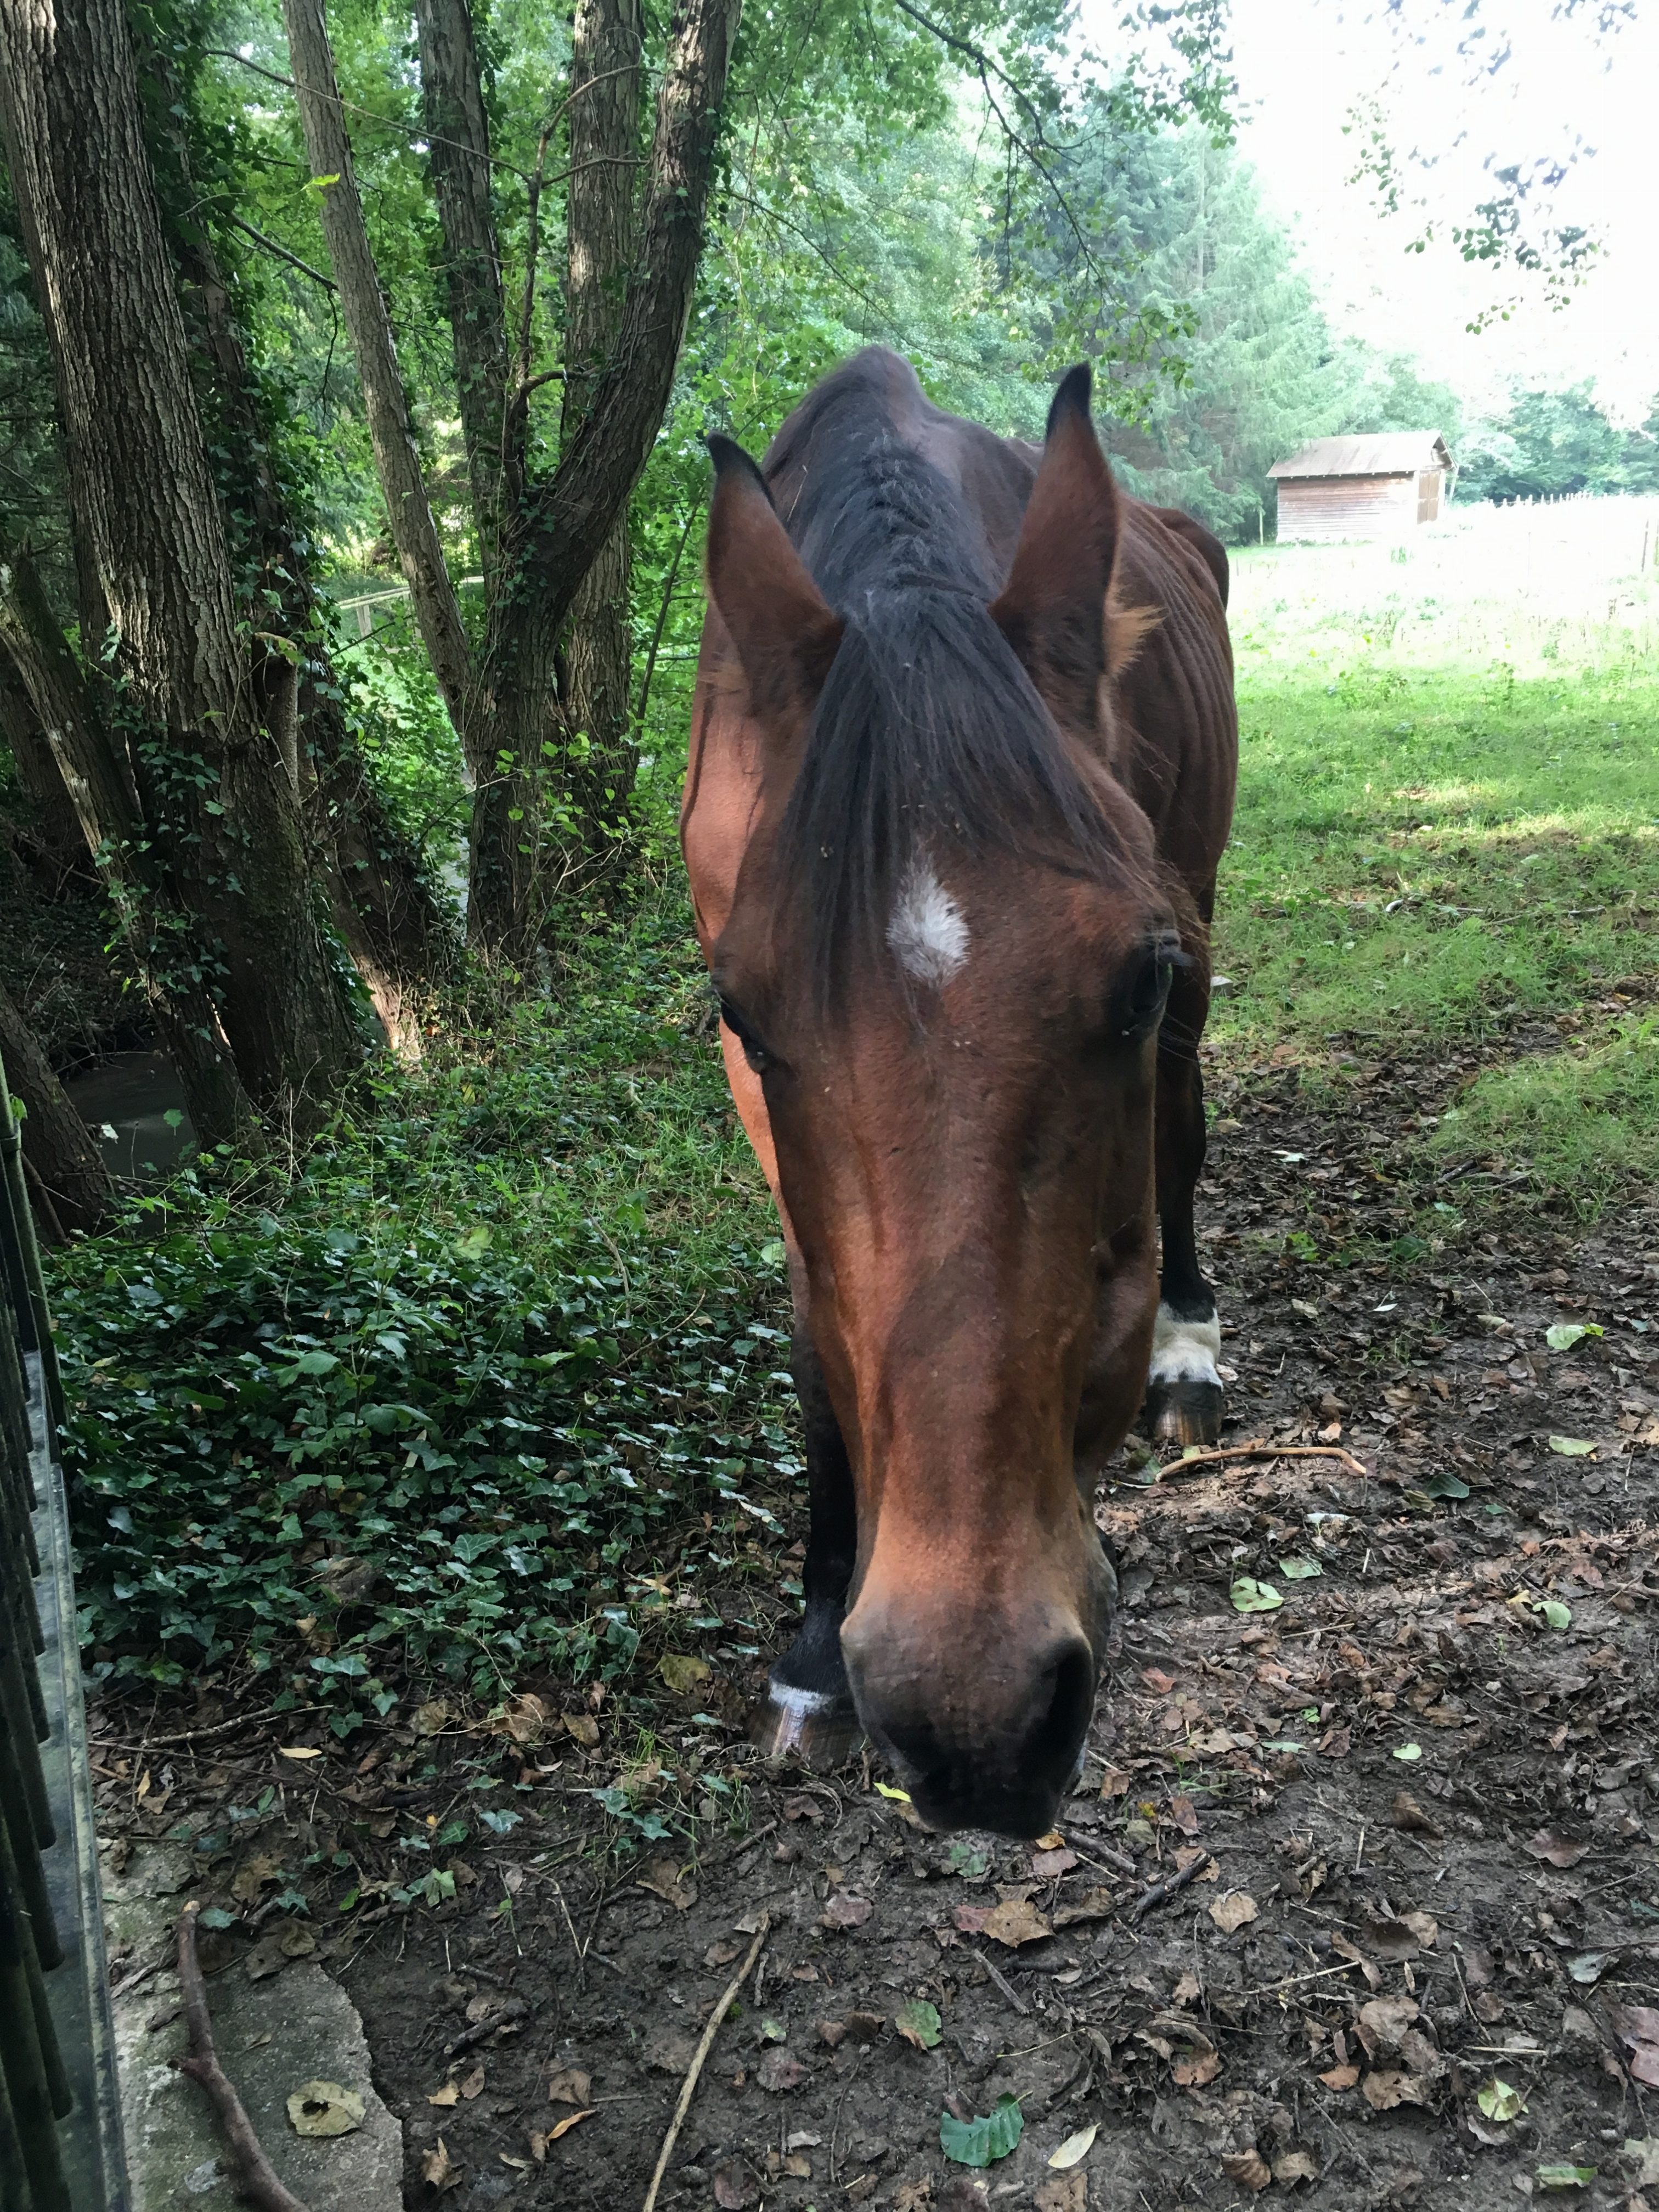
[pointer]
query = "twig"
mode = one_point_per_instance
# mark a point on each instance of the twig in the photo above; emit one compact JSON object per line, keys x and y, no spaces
{"x":1265,"y":1451}
{"x":508,"y":2013}
{"x":208,"y":1735}
{"x":1001,"y":1980}
{"x":688,"y":2087}
{"x":271,"y":245}
{"x":1162,"y":1891}
{"x":255,"y":2172}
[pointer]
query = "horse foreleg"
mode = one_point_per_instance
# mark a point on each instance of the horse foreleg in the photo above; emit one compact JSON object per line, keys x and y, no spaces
{"x":809,"y":1710}
{"x":1183,"y":1389}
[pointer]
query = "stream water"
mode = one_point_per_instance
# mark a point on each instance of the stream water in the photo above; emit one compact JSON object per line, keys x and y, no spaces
{"x":133,"y":1105}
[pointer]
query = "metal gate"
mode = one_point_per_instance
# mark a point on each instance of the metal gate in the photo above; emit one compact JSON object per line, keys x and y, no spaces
{"x":60,"y":2127}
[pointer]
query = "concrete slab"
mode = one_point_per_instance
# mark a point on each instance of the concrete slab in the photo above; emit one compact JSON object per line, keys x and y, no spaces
{"x":273,"y":2036}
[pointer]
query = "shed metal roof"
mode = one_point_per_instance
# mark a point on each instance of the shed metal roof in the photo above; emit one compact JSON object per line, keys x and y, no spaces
{"x":1390,"y":453}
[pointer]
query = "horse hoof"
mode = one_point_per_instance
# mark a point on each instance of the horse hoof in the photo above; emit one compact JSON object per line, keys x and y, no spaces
{"x":815,"y":1728}
{"x":1186,"y":1412}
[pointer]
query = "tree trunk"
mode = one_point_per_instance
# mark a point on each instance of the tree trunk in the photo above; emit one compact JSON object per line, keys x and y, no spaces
{"x":55,"y":824}
{"x":68,"y":1180}
{"x":605,"y":77}
{"x":459,"y":141}
{"x":214,"y":793}
{"x":392,"y":431}
{"x":164,"y":940}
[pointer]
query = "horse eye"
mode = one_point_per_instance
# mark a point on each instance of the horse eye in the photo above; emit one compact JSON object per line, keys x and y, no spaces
{"x":1147,"y":998}
{"x":753,"y":1050}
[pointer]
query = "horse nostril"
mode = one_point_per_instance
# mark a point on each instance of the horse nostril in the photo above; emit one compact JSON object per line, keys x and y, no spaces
{"x":1060,"y":1730}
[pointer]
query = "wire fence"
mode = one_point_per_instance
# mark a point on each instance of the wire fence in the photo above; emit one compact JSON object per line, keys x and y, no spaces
{"x":60,"y":2137}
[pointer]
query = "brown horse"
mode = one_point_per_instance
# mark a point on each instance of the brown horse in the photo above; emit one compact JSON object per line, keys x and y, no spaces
{"x":961,"y":770}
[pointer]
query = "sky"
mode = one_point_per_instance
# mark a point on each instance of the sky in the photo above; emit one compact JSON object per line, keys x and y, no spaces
{"x":1302,"y":66}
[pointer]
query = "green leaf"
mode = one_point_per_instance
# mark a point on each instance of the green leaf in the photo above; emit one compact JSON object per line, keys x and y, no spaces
{"x":1562,"y":1336}
{"x":321,"y":185}
{"x":1556,"y":1614}
{"x":1298,"y":1571}
{"x":1499,"y":2101}
{"x":772,"y":2031}
{"x":1408,"y":1752}
{"x":1572,"y":1447}
{"x":216,"y":1917}
{"x":1249,"y":1596}
{"x":1565,"y":2176}
{"x":1445,"y":1485}
{"x":918,"y":2023}
{"x":972,"y":1865}
{"x":898,"y":1796}
{"x":977,"y":2142}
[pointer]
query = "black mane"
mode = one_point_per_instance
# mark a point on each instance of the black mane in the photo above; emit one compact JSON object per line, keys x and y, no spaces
{"x":928,"y":736}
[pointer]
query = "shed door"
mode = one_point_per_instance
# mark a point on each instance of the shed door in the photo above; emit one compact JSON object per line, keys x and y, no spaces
{"x":1428,"y":495}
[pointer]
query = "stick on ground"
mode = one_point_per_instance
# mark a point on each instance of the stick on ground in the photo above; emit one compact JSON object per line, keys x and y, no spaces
{"x":688,"y":2087}
{"x":1161,"y":1892}
{"x":254,"y":2170}
{"x":1265,"y":1451}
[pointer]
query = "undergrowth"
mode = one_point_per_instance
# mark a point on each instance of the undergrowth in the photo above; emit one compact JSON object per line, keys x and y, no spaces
{"x":439,"y":1397}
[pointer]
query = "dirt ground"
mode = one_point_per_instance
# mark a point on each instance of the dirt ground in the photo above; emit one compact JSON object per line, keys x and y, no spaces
{"x":1350,"y":1907}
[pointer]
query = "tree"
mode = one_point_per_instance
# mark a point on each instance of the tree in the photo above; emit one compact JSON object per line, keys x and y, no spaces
{"x":194,"y":728}
{"x":1550,"y":444}
{"x":552,"y":527}
{"x":68,"y":1184}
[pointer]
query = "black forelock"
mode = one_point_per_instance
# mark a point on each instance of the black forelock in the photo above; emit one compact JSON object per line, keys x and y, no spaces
{"x":928,"y":736}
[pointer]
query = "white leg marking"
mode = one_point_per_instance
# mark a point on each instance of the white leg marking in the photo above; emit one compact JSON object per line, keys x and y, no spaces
{"x":927,"y":930}
{"x":797,"y":1707}
{"x":1185,"y":1351}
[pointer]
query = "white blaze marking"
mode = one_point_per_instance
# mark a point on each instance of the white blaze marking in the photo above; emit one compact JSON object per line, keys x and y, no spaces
{"x":1185,"y":1351}
{"x":926,"y":931}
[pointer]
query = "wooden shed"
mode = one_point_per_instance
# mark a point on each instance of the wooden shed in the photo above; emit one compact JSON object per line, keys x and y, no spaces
{"x":1377,"y":486}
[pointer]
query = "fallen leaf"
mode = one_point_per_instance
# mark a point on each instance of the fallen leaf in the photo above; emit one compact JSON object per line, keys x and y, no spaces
{"x":1300,"y":1570}
{"x":665,"y":1879}
{"x":1184,"y":1813}
{"x":1114,"y":1782}
{"x":1573,"y":1447}
{"x":583,"y":1727}
{"x":779,"y":2070}
{"x":1637,"y":2026}
{"x":918,"y":2023}
{"x":1340,"y":2077}
{"x":865,"y":2026}
{"x":253,"y":1875}
{"x":1562,"y":1336}
{"x":1249,"y":1596}
{"x":1196,"y":2070}
{"x":1409,"y":1815}
{"x":1295,"y":2165}
{"x":267,"y":1958}
{"x":1386,"y":2089}
{"x":1408,"y":1752}
{"x":448,"y":2095}
{"x":1587,"y":1967}
{"x":1016,"y":1922}
{"x":471,"y":2085}
{"x":978,"y":2141}
{"x":772,"y":2031}
{"x":843,"y":1910}
{"x":1499,"y":2101}
{"x":1234,"y":1910}
{"x":668,"y":2049}
{"x":735,"y":2187}
{"x":524,"y":1722}
{"x":721,"y":1954}
{"x":681,"y":1672}
{"x":570,"y":2120}
{"x":1382,"y":2022}
{"x":297,"y":1943}
{"x":1247,"y":2167}
{"x":1187,"y":1989}
{"x":430,"y":1719}
{"x":1075,"y":2147}
{"x":323,"y":2108}
{"x":1047,"y":1866}
{"x":438,"y":2169}
{"x":1565,"y":2176}
{"x":299,"y":1751}
{"x":1400,"y":1938}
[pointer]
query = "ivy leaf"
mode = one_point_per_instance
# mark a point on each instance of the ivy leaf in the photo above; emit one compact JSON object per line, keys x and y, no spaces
{"x":1499,"y":2101}
{"x":978,"y":2141}
{"x":1249,"y":1596}
{"x":1298,"y":1571}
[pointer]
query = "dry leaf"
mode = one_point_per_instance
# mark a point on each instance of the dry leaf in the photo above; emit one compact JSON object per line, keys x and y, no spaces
{"x":1075,"y":2147}
{"x":267,"y":1958}
{"x":323,"y":2108}
{"x":683,"y":1673}
{"x":1637,"y":2026}
{"x":864,"y":2026}
{"x":1016,"y":1922}
{"x":1402,"y":1938}
{"x":471,"y":2086}
{"x":1409,"y":1815}
{"x":448,"y":2095}
{"x":1184,"y":1813}
{"x":735,"y":2187}
{"x":1235,"y":1911}
{"x":583,"y":1727}
{"x":1385,"y":2089}
{"x":665,"y":1879}
{"x":253,"y":1875}
{"x":1185,"y":1988}
{"x":1384,"y":2020}
{"x":524,"y":1722}
{"x":571,"y":2085}
{"x":431,"y":1719}
{"x":779,"y":2070}
{"x":843,"y":1910}
{"x":299,"y":1751}
{"x":668,"y":2049}
{"x":1114,"y":1782}
{"x":1560,"y":1851}
{"x":721,"y":1954}
{"x":438,"y":2169}
{"x":297,"y":1943}
{"x":1340,"y":2077}
{"x":570,"y":2120}
{"x":1197,"y":2068}
{"x":1246,"y":2166}
{"x":1295,"y":2165}
{"x":1098,"y":1905}
{"x":1047,"y":1865}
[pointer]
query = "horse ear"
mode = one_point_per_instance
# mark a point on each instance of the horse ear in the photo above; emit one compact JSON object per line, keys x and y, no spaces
{"x":785,"y":631}
{"x":1053,"y":608}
